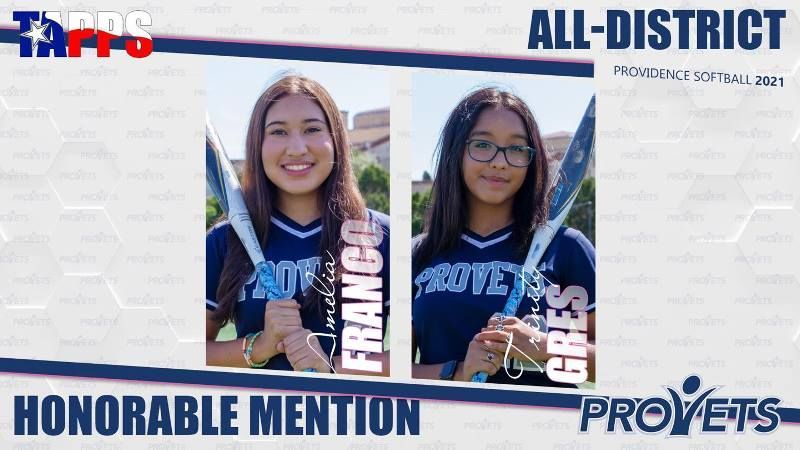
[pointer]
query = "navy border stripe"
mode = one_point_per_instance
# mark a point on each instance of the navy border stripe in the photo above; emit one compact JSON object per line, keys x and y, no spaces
{"x":284,"y":383}
{"x":316,"y":385}
{"x":400,"y":58}
{"x":268,"y":381}
{"x":375,"y":57}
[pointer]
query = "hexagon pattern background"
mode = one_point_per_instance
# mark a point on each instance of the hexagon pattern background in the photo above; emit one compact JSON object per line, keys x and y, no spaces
{"x":698,"y":208}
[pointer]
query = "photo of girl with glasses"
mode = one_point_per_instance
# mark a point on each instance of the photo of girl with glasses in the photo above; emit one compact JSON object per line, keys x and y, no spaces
{"x":299,"y":187}
{"x":489,"y":193}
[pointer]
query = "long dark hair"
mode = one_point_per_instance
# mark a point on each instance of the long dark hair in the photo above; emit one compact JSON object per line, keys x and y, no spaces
{"x":448,"y":212}
{"x":338,"y":197}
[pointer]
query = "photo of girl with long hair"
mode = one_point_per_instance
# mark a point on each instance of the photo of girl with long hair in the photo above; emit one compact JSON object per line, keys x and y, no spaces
{"x":488,"y":195}
{"x":299,"y":188}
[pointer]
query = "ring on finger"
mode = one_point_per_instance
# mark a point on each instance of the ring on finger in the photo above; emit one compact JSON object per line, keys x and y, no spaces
{"x":490,"y":356}
{"x":499,"y":327}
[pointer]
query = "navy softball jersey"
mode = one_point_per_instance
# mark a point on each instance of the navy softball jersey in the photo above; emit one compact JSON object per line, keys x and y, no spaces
{"x":457,"y":293}
{"x":294,"y":251}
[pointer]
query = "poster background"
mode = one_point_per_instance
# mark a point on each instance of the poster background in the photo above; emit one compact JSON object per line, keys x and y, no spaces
{"x":697,"y":216}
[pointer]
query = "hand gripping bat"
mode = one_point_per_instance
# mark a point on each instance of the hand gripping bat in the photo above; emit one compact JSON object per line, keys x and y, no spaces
{"x":566,"y":185}
{"x":222,"y":180}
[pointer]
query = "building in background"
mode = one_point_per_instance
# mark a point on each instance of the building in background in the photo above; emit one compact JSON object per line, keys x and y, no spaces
{"x":370,"y":133}
{"x":421,"y":185}
{"x":556,"y":145}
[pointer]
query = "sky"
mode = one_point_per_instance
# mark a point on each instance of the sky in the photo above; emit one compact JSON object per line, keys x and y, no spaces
{"x":558,"y":103}
{"x":234,"y":85}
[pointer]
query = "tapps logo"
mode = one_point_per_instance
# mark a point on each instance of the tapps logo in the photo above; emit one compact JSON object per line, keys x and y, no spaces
{"x":656,"y":414}
{"x":45,"y":33}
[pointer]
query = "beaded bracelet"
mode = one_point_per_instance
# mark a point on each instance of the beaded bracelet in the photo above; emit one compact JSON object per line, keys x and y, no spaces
{"x":247,"y":350}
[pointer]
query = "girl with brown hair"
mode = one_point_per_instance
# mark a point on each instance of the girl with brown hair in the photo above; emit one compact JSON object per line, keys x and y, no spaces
{"x":489,"y":195}
{"x":299,"y":188}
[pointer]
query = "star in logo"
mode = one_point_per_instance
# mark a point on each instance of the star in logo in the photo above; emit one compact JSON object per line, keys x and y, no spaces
{"x":36,"y":34}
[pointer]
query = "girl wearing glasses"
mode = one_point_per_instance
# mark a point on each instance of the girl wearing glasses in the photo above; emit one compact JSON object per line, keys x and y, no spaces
{"x":489,"y":194}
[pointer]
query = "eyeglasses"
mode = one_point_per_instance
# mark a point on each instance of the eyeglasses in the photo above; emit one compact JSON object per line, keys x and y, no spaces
{"x":485,"y":151}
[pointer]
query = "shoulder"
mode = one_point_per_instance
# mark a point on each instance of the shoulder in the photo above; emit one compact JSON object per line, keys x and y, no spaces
{"x":219,"y":229}
{"x":380,"y":218}
{"x":216,"y":248}
{"x":574,"y":262}
{"x":570,"y":237}
{"x":416,"y":243}
{"x":574,"y":235}
{"x":217,"y":236}
{"x":572,"y":250}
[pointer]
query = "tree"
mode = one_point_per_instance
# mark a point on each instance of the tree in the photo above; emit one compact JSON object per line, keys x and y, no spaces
{"x":213,"y":211}
{"x":419,"y":205}
{"x":581,"y":216}
{"x":360,"y":159}
{"x":373,"y":182}
{"x":426,"y":176}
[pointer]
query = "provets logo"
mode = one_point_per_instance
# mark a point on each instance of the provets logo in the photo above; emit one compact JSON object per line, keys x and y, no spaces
{"x":44,"y":34}
{"x":675,"y":413}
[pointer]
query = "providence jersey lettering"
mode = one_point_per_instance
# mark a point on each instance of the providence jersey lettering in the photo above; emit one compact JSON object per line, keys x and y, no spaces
{"x":457,"y":293}
{"x":293,"y":252}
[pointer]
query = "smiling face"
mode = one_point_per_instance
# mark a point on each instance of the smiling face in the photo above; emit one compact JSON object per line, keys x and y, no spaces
{"x":495,"y":182}
{"x":298,"y":150}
